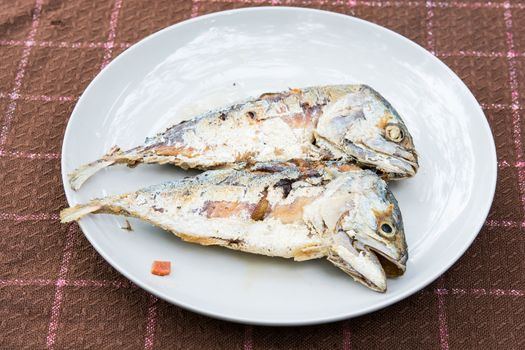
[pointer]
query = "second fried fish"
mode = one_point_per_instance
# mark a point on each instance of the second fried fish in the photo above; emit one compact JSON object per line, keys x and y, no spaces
{"x":352,"y":123}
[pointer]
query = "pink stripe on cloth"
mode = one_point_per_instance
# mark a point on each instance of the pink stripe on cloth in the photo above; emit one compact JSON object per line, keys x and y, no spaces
{"x":59,"y":291}
{"x":28,"y":217}
{"x":504,"y":223}
{"x":100,"y":283}
{"x":495,"y":106}
{"x":74,"y":45}
{"x":58,"y":44}
{"x":112,"y":33}
{"x":74,"y":283}
{"x":515,"y":99}
{"x":251,"y":1}
{"x":442,"y":317}
{"x":347,"y":335}
{"x":481,"y":292}
{"x":470,"y":5}
{"x":151,"y":323}
{"x":506,"y":164}
{"x":4,"y":42}
{"x":443,"y":328}
{"x":19,"y":282}
{"x":248,"y":337}
{"x":18,"y":154}
{"x":61,"y":44}
{"x":471,"y":53}
{"x":492,"y":292}
{"x":45,"y":98}
{"x":20,"y":72}
{"x":195,"y":4}
{"x":429,"y":26}
{"x":512,"y":71}
{"x":391,"y":3}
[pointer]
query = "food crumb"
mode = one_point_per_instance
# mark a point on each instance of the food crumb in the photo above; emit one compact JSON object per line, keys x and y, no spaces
{"x":161,"y":268}
{"x":127,"y":226}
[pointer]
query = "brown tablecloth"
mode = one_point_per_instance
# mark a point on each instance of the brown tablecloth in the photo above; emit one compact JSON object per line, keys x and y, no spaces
{"x":56,"y":292}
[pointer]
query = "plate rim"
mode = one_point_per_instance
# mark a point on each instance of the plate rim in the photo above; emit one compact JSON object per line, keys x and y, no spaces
{"x":492,"y":157}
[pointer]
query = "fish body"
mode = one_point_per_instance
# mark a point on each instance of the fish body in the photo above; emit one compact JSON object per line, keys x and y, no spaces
{"x":352,"y":123}
{"x":290,"y":210}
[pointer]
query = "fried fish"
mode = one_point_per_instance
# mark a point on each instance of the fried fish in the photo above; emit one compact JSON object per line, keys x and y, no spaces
{"x":352,"y":123}
{"x":291,"y":210}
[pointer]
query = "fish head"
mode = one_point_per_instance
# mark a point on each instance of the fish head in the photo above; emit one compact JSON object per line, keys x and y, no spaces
{"x":367,"y":237}
{"x":363,"y":126}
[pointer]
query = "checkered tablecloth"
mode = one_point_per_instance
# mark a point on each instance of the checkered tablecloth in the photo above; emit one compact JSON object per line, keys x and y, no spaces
{"x":56,"y":292}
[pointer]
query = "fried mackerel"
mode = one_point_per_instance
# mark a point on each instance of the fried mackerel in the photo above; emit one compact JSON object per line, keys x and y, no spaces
{"x":291,"y":210}
{"x":352,"y":123}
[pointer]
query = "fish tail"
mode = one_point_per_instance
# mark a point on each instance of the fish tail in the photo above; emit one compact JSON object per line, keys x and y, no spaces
{"x":78,"y":211}
{"x":84,"y":172}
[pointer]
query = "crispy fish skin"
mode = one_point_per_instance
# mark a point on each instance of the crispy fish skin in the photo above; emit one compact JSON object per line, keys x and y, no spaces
{"x":287,"y":210}
{"x":335,"y":122}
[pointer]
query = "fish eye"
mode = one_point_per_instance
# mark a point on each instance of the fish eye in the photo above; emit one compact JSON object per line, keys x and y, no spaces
{"x":394,"y":133}
{"x":387,"y":230}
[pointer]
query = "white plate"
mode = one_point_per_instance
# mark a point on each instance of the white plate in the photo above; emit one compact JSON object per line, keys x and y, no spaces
{"x":216,"y":59}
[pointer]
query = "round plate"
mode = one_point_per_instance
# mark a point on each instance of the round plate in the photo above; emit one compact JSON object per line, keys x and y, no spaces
{"x":214,"y":60}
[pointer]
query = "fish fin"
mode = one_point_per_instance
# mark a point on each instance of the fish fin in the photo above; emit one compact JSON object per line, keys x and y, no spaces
{"x":84,"y":172}
{"x":78,"y":211}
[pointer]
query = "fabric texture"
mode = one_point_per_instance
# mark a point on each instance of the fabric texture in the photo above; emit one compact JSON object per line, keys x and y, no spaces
{"x":57,"y":292}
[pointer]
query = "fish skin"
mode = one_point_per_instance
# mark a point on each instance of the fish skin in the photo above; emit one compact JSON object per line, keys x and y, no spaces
{"x":334,"y":122}
{"x":304,"y":211}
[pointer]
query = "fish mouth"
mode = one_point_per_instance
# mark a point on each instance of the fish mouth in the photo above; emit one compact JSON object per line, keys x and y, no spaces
{"x":396,"y":167}
{"x":399,"y":164}
{"x":362,"y":265}
{"x":368,"y":266}
{"x":410,"y":160}
{"x":393,"y":267}
{"x":404,"y":163}
{"x":367,"y":260}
